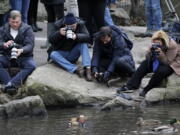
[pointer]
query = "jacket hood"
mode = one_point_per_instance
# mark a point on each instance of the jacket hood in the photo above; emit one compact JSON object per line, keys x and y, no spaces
{"x":161,"y":35}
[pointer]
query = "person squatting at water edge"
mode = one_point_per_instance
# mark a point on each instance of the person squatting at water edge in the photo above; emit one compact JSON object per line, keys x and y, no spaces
{"x":162,"y":58}
{"x":68,"y":43}
{"x":111,"y":54}
{"x":16,"y":49}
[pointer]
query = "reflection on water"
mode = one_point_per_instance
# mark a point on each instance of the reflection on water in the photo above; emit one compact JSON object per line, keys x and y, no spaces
{"x":117,"y":122}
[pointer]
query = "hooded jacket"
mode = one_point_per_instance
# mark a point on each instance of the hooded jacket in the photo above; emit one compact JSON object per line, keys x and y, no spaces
{"x":172,"y":54}
{"x":116,"y":48}
{"x":24,"y":39}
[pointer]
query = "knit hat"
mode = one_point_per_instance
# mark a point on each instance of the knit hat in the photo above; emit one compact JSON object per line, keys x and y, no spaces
{"x":70,"y":19}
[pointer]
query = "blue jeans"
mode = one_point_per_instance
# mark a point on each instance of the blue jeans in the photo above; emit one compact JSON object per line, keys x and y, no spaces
{"x":26,"y":64}
{"x":107,"y":17}
{"x":153,"y":14}
{"x":66,"y":59}
{"x":22,"y":6}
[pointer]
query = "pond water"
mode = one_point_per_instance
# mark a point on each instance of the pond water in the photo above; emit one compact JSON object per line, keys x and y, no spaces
{"x":116,"y":122}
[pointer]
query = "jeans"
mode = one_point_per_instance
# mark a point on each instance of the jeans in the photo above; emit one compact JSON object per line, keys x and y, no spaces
{"x":153,"y":14}
{"x":22,"y":6}
{"x":107,"y":17}
{"x":162,"y":72}
{"x":26,"y":65}
{"x":66,"y":59}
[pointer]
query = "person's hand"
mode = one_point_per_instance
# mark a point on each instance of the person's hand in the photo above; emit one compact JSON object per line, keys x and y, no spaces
{"x":19,"y":52}
{"x":158,"y":51}
{"x":62,"y":31}
{"x":8,"y":43}
{"x":95,"y":74}
{"x":74,"y":36}
{"x":106,"y":76}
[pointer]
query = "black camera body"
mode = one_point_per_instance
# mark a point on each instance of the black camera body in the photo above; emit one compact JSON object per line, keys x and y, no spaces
{"x":69,"y":32}
{"x":154,"y":47}
{"x":99,"y":77}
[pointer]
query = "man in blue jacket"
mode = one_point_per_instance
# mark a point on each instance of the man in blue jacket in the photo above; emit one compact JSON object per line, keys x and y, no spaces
{"x":16,"y":46}
{"x":111,"y":54}
{"x":69,"y":42}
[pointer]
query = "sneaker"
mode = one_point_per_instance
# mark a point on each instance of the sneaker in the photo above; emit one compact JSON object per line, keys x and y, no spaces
{"x":88,"y":74}
{"x":122,"y":89}
{"x":80,"y":72}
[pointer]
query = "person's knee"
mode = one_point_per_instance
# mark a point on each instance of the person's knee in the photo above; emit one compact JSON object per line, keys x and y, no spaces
{"x":53,"y":55}
{"x":120,"y":61}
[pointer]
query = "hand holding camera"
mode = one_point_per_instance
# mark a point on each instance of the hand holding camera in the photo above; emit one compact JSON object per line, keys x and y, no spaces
{"x":156,"y":49}
{"x":8,"y":44}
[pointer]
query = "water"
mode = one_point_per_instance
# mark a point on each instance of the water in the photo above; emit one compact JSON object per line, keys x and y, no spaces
{"x":116,"y":122}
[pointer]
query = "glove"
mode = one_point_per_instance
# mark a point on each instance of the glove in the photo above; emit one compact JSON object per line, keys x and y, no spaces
{"x":106,"y":76}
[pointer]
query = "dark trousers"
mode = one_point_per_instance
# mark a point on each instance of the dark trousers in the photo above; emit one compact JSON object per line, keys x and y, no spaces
{"x":54,"y":12}
{"x":120,"y":66}
{"x":26,"y":65}
{"x":1,"y":19}
{"x":32,"y":13}
{"x":162,"y":72}
{"x":92,"y":10}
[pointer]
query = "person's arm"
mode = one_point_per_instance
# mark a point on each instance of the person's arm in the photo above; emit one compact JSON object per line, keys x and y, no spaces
{"x":55,"y":37}
{"x":83,"y":35}
{"x":28,"y":43}
{"x":170,"y":54}
{"x":96,"y":56}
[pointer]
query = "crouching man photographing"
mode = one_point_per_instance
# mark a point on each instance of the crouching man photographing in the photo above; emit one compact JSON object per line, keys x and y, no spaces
{"x":68,"y":43}
{"x":16,"y":45}
{"x":111,"y":54}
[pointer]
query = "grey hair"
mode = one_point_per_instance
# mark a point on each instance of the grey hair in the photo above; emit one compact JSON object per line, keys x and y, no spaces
{"x":14,"y":14}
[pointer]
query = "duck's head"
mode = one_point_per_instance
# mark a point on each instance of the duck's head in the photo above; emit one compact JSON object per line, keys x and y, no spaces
{"x":173,"y":121}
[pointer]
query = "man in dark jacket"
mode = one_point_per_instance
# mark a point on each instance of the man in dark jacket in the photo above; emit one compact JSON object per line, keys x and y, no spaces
{"x":16,"y":46}
{"x":69,"y":42}
{"x":111,"y":54}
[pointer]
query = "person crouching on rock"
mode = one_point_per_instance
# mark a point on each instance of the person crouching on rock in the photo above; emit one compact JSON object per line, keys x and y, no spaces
{"x":68,"y":43}
{"x":111,"y":54}
{"x":163,"y":59}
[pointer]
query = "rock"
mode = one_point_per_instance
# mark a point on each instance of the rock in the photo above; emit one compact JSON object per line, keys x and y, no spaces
{"x":29,"y":106}
{"x":171,"y":92}
{"x":120,"y":17}
{"x":58,"y":87}
{"x":118,"y":102}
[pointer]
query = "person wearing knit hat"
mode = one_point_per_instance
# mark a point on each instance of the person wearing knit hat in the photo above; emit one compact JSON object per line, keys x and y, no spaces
{"x":162,"y":59}
{"x":70,"y":19}
{"x":69,"y":41}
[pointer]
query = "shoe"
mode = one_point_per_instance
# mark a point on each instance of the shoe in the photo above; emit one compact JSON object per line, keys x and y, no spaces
{"x":88,"y":74}
{"x":80,"y":72}
{"x":34,"y":28}
{"x":10,"y":89}
{"x":38,"y":28}
{"x":122,"y":89}
{"x":142,"y":93}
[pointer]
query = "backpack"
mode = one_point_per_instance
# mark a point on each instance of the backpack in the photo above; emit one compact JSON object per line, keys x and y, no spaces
{"x":124,"y":35}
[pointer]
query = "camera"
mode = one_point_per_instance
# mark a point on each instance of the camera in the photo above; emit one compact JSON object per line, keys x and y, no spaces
{"x":154,"y":47}
{"x":13,"y":48}
{"x":69,"y":32}
{"x":99,"y":77}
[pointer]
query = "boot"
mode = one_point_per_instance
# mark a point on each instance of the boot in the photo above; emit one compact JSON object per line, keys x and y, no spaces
{"x":88,"y":74}
{"x":50,"y":29}
{"x":80,"y":72}
{"x":37,"y":27}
